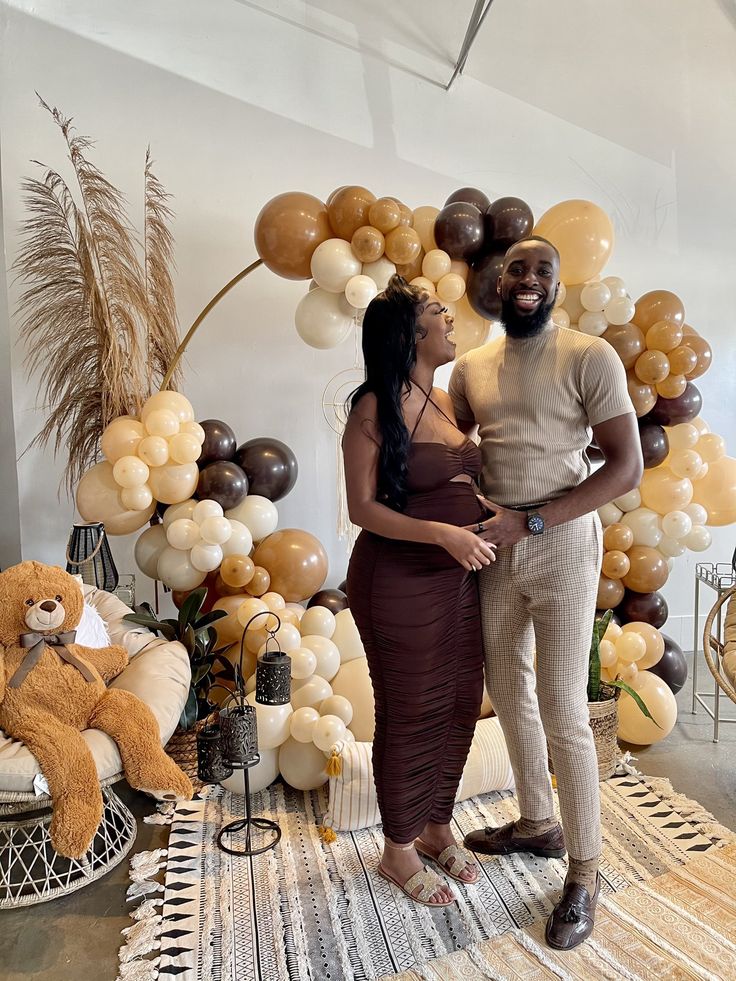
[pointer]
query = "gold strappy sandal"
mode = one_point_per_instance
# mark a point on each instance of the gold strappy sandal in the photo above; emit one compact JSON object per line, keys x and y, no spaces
{"x":428,"y":880}
{"x":451,"y":860}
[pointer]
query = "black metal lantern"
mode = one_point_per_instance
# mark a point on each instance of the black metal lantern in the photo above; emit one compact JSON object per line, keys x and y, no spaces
{"x":273,"y":671}
{"x":239,"y":734}
{"x":212,"y":763}
{"x":88,"y":554}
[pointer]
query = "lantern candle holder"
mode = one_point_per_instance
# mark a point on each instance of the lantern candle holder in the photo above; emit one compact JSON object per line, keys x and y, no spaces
{"x":88,"y":554}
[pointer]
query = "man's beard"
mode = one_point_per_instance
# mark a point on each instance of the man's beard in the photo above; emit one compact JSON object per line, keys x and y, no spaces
{"x":524,"y":325}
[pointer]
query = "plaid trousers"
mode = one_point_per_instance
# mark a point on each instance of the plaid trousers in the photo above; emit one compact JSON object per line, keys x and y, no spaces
{"x":544,"y":589}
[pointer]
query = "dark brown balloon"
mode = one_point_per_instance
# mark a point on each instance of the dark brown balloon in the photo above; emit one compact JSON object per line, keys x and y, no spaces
{"x":482,"y":286}
{"x":269,"y":465}
{"x":671,"y":412}
{"x":224,"y":482}
{"x":507,"y":220}
{"x":458,"y":230}
{"x":333,"y":599}
{"x":654,"y":442}
{"x":219,"y":442}
{"x":672,"y":666}
{"x":470,"y":195}
{"x":343,"y":587}
{"x":648,"y":607}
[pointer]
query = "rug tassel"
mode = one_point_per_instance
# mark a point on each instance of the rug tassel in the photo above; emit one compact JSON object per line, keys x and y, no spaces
{"x":334,"y":763}
{"x":139,"y":970}
{"x":141,"y":938}
{"x":326,"y":834}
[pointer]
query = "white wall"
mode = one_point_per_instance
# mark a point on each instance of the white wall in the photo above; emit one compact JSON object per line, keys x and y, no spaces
{"x":239,"y":105}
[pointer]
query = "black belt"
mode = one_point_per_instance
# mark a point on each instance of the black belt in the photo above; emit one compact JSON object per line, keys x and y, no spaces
{"x":525,"y":507}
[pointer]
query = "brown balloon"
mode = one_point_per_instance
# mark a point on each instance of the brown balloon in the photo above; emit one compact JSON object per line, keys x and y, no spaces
{"x":458,"y":230}
{"x":331,"y":196}
{"x":672,"y":386}
{"x":413,"y":269}
{"x":658,"y":305}
{"x":219,"y":442}
{"x":645,"y":607}
{"x":368,"y":243}
{"x":407,"y":215}
{"x":224,"y":482}
{"x":628,"y":342}
{"x":179,"y":595}
{"x":470,"y":195}
{"x":652,"y":366}
{"x":664,"y":336}
{"x":670,"y":412}
{"x":270,"y":466}
{"x":703,"y":353}
{"x":260,"y":582}
{"x":654,"y":445}
{"x":648,"y":571}
{"x":348,"y":210}
{"x":222,"y":588}
{"x":296,"y":562}
{"x":506,"y":221}
{"x":403,"y":245}
{"x":385,"y":215}
{"x":237,"y":570}
{"x":610,"y":593}
{"x":482,"y":286}
{"x":288,"y":230}
{"x":333,"y":599}
{"x":683,"y":360}
{"x":618,"y":537}
{"x":615,"y":565}
{"x":643,"y":397}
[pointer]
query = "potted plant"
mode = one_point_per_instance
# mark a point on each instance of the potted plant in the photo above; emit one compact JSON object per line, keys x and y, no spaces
{"x":210,"y":667}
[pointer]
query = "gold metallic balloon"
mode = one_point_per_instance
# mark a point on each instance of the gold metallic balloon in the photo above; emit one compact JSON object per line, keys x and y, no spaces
{"x":658,"y":305}
{"x":296,"y":562}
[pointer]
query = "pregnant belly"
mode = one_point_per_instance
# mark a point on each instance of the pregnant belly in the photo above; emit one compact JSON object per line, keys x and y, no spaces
{"x":454,"y":503}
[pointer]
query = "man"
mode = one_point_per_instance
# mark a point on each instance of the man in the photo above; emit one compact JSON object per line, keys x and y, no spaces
{"x":535,"y":394}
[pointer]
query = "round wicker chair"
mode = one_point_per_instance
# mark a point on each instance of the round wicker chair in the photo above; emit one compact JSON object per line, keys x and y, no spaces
{"x":720,"y":651}
{"x":30,"y":870}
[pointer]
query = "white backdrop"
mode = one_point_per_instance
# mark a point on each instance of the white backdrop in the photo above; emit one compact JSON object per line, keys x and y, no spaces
{"x":239,"y":105}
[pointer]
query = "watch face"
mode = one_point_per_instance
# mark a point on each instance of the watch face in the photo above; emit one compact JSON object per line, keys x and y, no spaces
{"x":535,"y":524}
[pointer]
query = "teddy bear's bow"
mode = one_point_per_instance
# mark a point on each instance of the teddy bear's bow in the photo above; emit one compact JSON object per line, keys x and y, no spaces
{"x":37,"y":642}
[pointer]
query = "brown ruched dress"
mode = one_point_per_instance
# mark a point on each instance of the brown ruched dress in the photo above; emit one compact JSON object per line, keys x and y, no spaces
{"x":416,"y":609}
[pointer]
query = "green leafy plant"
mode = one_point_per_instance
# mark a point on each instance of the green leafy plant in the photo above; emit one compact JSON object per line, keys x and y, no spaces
{"x":196,"y":632}
{"x":599,"y":690}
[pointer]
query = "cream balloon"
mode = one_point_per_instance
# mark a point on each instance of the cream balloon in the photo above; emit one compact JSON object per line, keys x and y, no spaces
{"x":379,"y":271}
{"x":303,"y":663}
{"x":346,"y":637}
{"x":435,"y":265}
{"x":630,"y":647}
{"x":258,"y":514}
{"x":629,"y":501}
{"x":130,"y":471}
{"x":422,"y":221}
{"x":183,"y":510}
{"x":312,"y":693}
{"x":302,"y":765}
{"x":173,"y":482}
{"x":711,"y":447}
{"x":593,"y":323}
{"x":193,"y":429}
{"x":560,"y":317}
{"x":260,"y":776}
{"x":451,"y":287}
{"x":353,"y":682}
{"x":595,"y":296}
{"x":272,"y":722}
{"x":619,"y":310}
{"x":206,"y":509}
{"x":286,"y":637}
{"x":169,"y":401}
{"x":274,"y":601}
{"x":329,"y":730}
{"x":359,"y":291}
{"x":98,"y":499}
{"x":318,"y":620}
{"x":339,"y":706}
{"x":644,"y":525}
{"x":422,"y":283}
{"x":671,"y":548}
{"x":121,"y":437}
{"x":633,"y":726}
{"x":148,"y":549}
{"x":240,"y":541}
{"x":154,"y":451}
{"x":677,"y":524}
{"x":176,"y":571}
{"x":326,"y":652}
{"x":613,"y":631}
{"x":699,"y":539}
{"x":183,"y":447}
{"x":215,"y":530}
{"x":297,"y":609}
{"x":323,"y":319}
{"x":137,"y":498}
{"x":334,"y":264}
{"x":653,"y":640}
{"x":683,"y":436}
{"x":460,"y":268}
{"x":607,"y":653}
{"x":250,"y":608}
{"x":205,"y":557}
{"x":183,"y":534}
{"x":161,"y":422}
{"x":302,"y":724}
{"x":609,"y":514}
{"x":616,"y":286}
{"x":696,"y":512}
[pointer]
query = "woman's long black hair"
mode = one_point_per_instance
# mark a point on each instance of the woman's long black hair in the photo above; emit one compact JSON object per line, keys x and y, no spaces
{"x":390,"y":353}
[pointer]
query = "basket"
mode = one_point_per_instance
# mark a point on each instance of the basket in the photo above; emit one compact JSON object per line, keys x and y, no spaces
{"x":182,"y":748}
{"x":604,"y":723}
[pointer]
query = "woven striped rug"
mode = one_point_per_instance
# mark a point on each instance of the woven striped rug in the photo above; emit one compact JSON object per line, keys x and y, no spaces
{"x":311,"y":911}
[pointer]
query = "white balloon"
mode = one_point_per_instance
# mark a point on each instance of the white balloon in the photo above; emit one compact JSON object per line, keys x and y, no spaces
{"x":288,"y":639}
{"x":609,"y":514}
{"x":205,"y":557}
{"x":313,"y":692}
{"x":302,"y":724}
{"x":302,"y":765}
{"x":630,"y":501}
{"x":595,"y":296}
{"x":616,"y":286}
{"x":330,"y":729}
{"x":296,"y":608}
{"x":644,"y":524}
{"x":206,"y":509}
{"x":670,"y":548}
{"x":148,"y":549}
{"x":592,"y":323}
{"x":215,"y":530}
{"x":697,"y":513}
{"x":240,"y":541}
{"x":326,"y":652}
{"x":359,"y":291}
{"x":260,"y":776}
{"x":183,"y":510}
{"x":183,"y":533}
{"x":137,"y":498}
{"x":318,"y":620}
{"x":379,"y":271}
{"x":130,"y":471}
{"x":619,"y":311}
{"x":250,"y":684}
{"x":272,"y":722}
{"x":677,"y":524}
{"x":303,"y":663}
{"x":323,"y":320}
{"x":176,"y":571}
{"x":258,"y":514}
{"x":337,"y":705}
{"x":346,"y":637}
{"x":699,"y":539}
{"x":333,"y":265}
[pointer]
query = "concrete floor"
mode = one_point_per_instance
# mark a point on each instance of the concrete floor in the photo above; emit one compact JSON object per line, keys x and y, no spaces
{"x":77,"y":938}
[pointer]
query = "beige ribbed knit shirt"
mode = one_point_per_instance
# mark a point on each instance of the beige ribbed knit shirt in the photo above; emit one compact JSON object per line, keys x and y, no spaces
{"x":535,"y":400}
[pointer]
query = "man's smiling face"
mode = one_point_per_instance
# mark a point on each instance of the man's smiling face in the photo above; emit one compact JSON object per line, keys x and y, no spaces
{"x":528,"y":287}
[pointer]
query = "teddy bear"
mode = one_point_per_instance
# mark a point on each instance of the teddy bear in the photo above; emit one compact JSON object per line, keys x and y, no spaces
{"x":51,"y":689}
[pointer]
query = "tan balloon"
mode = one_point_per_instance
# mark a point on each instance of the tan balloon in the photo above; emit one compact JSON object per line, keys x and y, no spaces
{"x":672,"y":386}
{"x":648,"y":571}
{"x":652,"y":366}
{"x":403,"y":245}
{"x":451,"y":287}
{"x":630,"y":647}
{"x":288,"y":230}
{"x":237,"y":570}
{"x":583,"y":235}
{"x":368,"y":243}
{"x":643,"y":396}
{"x":121,"y":438}
{"x":98,"y":499}
{"x":411,"y":270}
{"x":571,"y":302}
{"x":663,"y":491}
{"x":682,"y":360}
{"x":610,"y":593}
{"x":652,"y":638}
{"x":229,"y":629}
{"x":618,"y":537}
{"x":435,"y":265}
{"x":384,"y":214}
{"x":471,"y":330}
{"x":627,"y":340}
{"x":171,"y":401}
{"x":615,"y":564}
{"x":460,"y":268}
{"x":717,"y":492}
{"x":296,"y":562}
{"x":633,"y":726}
{"x":703,"y":354}
{"x":174,"y":482}
{"x":260,"y":581}
{"x":184,"y":448}
{"x":154,"y":450}
{"x":658,"y":305}
{"x":353,"y":682}
{"x":423,"y":221}
{"x":665,"y":336}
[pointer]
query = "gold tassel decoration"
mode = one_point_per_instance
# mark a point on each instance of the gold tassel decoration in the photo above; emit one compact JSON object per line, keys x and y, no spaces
{"x":334,"y":764}
{"x":326,"y":834}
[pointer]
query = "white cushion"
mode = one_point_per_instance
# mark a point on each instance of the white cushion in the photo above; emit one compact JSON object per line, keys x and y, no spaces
{"x":352,"y":800}
{"x":158,"y":673}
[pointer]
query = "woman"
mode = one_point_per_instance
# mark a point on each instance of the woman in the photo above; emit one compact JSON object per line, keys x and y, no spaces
{"x":409,"y":475}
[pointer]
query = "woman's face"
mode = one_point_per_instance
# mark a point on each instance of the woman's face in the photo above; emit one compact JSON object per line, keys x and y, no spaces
{"x":435,"y":333}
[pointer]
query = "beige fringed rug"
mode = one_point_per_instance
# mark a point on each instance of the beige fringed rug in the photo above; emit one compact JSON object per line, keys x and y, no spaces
{"x":312,"y":911}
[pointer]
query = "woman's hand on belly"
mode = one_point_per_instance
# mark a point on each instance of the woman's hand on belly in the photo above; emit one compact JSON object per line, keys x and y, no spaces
{"x":470,"y":550}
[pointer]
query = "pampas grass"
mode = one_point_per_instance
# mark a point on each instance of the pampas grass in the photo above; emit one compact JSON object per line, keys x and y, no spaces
{"x":97,"y":309}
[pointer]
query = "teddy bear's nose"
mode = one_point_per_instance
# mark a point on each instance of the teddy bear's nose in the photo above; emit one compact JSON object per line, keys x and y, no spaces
{"x":48,"y":606}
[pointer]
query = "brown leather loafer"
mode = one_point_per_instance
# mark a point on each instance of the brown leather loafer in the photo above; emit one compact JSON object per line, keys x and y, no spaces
{"x":503,"y":841}
{"x":572,"y":918}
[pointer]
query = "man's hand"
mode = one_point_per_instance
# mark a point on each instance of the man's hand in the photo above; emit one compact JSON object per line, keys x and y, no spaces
{"x":506,"y":527}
